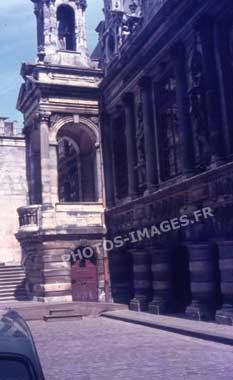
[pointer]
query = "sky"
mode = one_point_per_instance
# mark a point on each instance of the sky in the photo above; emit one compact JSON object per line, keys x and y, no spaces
{"x":18,"y":44}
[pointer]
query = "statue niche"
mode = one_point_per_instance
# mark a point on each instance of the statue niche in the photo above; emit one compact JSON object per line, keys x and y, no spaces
{"x":197,"y":108}
{"x":66,"y":27}
{"x":141,"y":160}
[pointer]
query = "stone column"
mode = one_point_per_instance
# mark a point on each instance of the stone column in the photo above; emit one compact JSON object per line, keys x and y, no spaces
{"x":81,"y":37}
{"x":128,"y":100}
{"x":53,"y":155}
{"x":120,"y":271}
{"x":149,"y":134}
{"x":178,"y":56}
{"x":99,"y":184}
{"x":106,"y":137}
{"x":162,"y":281}
{"x":225,"y":315}
{"x":203,"y":282}
{"x":44,"y":158}
{"x":224,"y":62}
{"x":142,"y":280}
{"x":213,"y":103}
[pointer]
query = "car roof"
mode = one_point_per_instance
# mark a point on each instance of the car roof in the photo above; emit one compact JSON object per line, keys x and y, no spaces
{"x":16,"y":340}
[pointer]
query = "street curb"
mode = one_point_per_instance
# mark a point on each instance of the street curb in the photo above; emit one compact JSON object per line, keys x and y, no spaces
{"x":173,"y":329}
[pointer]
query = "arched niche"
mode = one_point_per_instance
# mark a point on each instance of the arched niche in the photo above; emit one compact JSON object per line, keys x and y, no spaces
{"x":77,"y":163}
{"x":66,"y":27}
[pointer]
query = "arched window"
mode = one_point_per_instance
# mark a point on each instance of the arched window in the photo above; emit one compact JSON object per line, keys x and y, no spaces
{"x":77,"y":168}
{"x":66,"y":27}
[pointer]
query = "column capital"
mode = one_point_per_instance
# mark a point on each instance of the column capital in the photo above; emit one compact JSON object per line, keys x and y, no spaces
{"x":127,"y":98}
{"x":145,"y":83}
{"x":43,"y":116}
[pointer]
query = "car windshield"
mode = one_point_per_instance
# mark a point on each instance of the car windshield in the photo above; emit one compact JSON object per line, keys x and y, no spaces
{"x":13,"y":370}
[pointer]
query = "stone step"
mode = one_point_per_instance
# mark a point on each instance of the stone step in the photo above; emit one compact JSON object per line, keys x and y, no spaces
{"x":63,"y":317}
{"x":15,"y":293}
{"x":15,"y":271}
{"x":12,"y":287}
{"x":13,"y":298}
{"x":7,"y":275}
{"x":54,"y":312}
{"x":11,"y":281}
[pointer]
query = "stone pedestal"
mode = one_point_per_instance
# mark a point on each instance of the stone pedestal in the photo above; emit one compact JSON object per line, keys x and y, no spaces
{"x":161,"y":273}
{"x":225,"y":314}
{"x":53,"y":241}
{"x":142,"y":280}
{"x":203,"y":283}
{"x":119,"y":265}
{"x":48,"y":275}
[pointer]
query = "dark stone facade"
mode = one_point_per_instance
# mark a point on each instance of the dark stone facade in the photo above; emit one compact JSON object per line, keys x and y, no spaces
{"x":166,"y":125}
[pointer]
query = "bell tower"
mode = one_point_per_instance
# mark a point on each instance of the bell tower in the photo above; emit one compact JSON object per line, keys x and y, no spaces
{"x":59,"y":98}
{"x":61,"y":32}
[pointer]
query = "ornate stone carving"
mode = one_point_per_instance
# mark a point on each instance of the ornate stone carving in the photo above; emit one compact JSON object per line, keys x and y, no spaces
{"x":198,"y":107}
{"x":141,"y":160}
{"x":81,"y":4}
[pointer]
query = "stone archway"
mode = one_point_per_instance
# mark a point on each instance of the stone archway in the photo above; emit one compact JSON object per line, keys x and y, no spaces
{"x":77,"y":141}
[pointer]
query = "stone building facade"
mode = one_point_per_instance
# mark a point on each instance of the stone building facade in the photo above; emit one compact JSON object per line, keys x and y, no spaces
{"x":167,"y":133}
{"x":13,"y":189}
{"x":65,"y":213}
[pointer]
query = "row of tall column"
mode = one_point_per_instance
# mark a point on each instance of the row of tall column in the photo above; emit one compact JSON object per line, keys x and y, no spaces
{"x":211,"y":281}
{"x":206,"y":31}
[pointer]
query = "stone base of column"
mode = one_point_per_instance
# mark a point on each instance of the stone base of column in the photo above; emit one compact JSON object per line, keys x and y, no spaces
{"x":225,"y":315}
{"x":159,"y":306}
{"x":151,"y":190}
{"x":139,"y":304}
{"x":216,"y":162}
{"x":200,"y":312}
{"x":58,"y":299}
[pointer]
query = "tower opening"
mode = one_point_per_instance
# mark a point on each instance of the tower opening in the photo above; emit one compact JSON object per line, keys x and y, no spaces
{"x":66,"y":27}
{"x":77,"y":171}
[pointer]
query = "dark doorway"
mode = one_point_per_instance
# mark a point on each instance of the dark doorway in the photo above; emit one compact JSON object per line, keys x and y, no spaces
{"x":180,"y":278}
{"x":121,"y":274}
{"x":84,"y":280}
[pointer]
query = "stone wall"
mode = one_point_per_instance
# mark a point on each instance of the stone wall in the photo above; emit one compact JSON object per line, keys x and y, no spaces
{"x":13,"y":190}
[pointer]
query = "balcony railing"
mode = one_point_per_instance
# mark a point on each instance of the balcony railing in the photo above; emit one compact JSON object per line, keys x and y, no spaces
{"x":61,"y":216}
{"x":29,"y":216}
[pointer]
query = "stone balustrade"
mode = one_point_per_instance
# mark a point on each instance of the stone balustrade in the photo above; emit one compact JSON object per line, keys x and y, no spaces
{"x":29,"y":217}
{"x":61,"y":217}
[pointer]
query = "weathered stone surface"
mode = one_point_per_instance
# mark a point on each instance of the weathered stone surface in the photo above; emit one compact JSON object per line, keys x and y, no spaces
{"x":13,"y":190}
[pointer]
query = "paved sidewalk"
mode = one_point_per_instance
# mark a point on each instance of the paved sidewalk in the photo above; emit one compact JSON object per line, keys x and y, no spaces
{"x":105,"y":349}
{"x":203,"y":330}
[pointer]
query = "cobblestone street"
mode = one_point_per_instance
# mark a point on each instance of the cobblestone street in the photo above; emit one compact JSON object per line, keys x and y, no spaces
{"x":99,"y":349}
